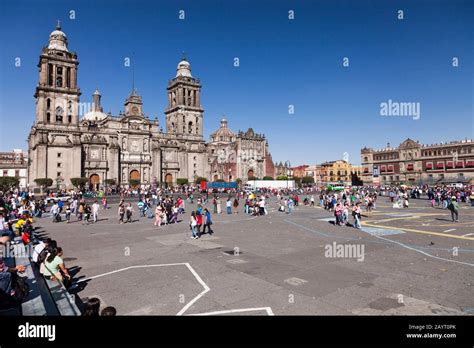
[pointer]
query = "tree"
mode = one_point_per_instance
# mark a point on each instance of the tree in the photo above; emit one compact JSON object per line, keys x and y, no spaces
{"x":79,"y":182}
{"x":238,"y":180}
{"x":267,"y":178}
{"x":44,"y":182}
{"x":134,"y":182}
{"x":307,"y":180}
{"x":7,"y":182}
{"x":199,"y":179}
{"x":252,"y":178}
{"x":282,"y":177}
{"x":297,"y":181}
{"x":109,"y":181}
{"x":182,"y":181}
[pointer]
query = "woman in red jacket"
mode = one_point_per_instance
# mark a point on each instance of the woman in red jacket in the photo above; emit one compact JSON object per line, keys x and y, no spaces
{"x":199,"y":223}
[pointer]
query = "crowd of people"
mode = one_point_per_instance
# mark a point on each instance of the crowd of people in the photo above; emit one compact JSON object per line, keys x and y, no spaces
{"x":166,"y":206}
{"x":18,"y":209}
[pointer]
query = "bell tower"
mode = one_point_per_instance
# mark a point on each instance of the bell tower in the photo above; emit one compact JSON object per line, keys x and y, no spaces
{"x":57,"y":94}
{"x":184,"y":113}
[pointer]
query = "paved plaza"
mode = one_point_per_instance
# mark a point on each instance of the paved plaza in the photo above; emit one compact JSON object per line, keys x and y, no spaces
{"x":415,"y":261}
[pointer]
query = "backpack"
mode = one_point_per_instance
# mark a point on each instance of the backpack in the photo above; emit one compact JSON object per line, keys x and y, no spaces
{"x":42,"y":255}
{"x":20,"y":287}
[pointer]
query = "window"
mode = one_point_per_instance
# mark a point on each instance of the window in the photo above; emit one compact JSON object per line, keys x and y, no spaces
{"x":50,"y":74}
{"x":190,"y":127}
{"x":59,"y":165}
{"x":60,"y":154}
{"x":59,"y":114}
{"x":48,"y":117}
{"x":68,"y":77}
{"x":17,"y":173}
{"x":5,"y":173}
{"x":48,"y":103}
{"x":59,"y":174}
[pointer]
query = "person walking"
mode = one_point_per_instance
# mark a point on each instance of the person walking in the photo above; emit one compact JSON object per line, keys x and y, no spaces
{"x":454,"y":208}
{"x":214,"y":203}
{"x":236,"y":205}
{"x":192,"y":225}
{"x":121,"y":212}
{"x":207,"y":222}
{"x":80,"y":211}
{"x":158,"y":215}
{"x":356,"y":215}
{"x":129,"y":212}
{"x":229,"y":206}
{"x":95,"y":211}
{"x":291,"y":205}
{"x":55,"y":212}
{"x":68,"y":213}
{"x":198,"y":223}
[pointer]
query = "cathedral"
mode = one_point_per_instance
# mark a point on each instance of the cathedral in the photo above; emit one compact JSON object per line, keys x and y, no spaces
{"x":65,"y":143}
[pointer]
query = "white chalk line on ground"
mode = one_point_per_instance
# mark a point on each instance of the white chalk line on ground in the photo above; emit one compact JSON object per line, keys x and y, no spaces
{"x":206,"y":289}
{"x":266,"y":309}
{"x":391,"y":241}
{"x":198,"y":278}
{"x":195,"y":299}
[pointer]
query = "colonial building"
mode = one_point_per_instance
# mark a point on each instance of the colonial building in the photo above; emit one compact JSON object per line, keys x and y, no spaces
{"x":129,"y":146}
{"x":335,"y":172}
{"x":15,"y":164}
{"x":238,"y":156}
{"x":412,"y":162}
{"x":299,"y":171}
{"x":283,"y":169}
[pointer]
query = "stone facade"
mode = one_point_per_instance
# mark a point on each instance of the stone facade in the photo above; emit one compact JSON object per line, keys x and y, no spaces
{"x":15,"y":164}
{"x":129,"y":146}
{"x":238,"y":156}
{"x":412,"y":162}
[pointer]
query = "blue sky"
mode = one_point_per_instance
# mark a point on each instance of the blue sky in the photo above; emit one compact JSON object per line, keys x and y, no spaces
{"x":282,"y":62}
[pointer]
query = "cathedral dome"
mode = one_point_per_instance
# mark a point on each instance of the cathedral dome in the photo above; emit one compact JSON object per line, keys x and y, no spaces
{"x":184,"y":68}
{"x":96,"y":113}
{"x":95,"y":116}
{"x":223,"y":133}
{"x":58,"y":40}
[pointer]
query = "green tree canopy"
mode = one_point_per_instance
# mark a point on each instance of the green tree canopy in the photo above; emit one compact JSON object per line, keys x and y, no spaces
{"x":267,"y":178}
{"x":134,"y":182}
{"x":182,"y":181}
{"x":7,"y":182}
{"x":46,"y":182}
{"x":307,"y":180}
{"x":282,"y":177}
{"x":79,"y":182}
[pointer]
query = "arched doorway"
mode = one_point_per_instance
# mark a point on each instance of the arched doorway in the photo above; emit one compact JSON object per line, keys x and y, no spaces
{"x":169,"y":179}
{"x":250,"y":173}
{"x":135,"y":175}
{"x":94,"y":181}
{"x":216,"y":177}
